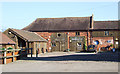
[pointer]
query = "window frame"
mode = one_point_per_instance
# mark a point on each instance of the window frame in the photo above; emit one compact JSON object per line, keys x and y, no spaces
{"x":53,"y":45}
{"x":58,"y":35}
{"x":106,"y":33}
{"x":77,"y":33}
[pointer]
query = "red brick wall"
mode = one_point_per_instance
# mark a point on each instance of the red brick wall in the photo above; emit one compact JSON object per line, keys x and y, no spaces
{"x":47,"y":35}
{"x":103,"y":41}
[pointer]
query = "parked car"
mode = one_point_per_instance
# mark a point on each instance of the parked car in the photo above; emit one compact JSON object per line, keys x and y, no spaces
{"x":92,"y":48}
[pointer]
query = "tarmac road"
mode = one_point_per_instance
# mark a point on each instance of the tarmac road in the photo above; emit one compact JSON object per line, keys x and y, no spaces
{"x":62,"y":62}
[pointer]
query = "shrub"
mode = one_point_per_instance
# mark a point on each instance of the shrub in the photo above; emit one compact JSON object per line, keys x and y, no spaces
{"x":85,"y":45}
{"x":10,"y":48}
{"x":111,"y":45}
{"x":2,"y":48}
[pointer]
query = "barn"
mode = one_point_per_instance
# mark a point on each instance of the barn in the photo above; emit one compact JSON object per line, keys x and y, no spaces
{"x":76,"y":33}
{"x":25,"y":39}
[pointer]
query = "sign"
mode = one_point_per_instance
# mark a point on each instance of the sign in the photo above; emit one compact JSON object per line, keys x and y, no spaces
{"x":76,"y":38}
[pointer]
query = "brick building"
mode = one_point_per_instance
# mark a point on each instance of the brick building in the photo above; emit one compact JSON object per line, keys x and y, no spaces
{"x":108,"y":31}
{"x":75,"y":33}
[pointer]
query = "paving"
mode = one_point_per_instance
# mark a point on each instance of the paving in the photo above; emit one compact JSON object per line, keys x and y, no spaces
{"x":65,"y":62}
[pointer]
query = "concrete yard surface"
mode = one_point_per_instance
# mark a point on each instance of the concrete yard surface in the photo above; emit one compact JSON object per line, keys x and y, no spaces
{"x":67,"y":64}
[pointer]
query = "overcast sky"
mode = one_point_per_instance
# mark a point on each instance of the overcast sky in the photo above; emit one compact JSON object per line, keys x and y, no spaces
{"x":20,"y":14}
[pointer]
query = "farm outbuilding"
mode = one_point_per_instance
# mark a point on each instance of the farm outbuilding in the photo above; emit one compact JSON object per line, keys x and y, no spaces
{"x":25,"y":39}
{"x":6,"y":42}
{"x":74,"y":33}
{"x":64,"y":33}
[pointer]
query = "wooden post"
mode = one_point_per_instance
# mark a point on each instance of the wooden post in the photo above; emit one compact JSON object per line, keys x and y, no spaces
{"x":31,"y":52}
{"x":5,"y":56}
{"x":36,"y":52}
{"x":16,"y":39}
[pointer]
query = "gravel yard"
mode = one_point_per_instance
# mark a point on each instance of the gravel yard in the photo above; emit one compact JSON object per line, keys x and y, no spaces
{"x":64,"y":62}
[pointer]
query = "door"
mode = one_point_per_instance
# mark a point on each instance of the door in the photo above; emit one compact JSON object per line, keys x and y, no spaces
{"x":76,"y":43}
{"x":57,"y":46}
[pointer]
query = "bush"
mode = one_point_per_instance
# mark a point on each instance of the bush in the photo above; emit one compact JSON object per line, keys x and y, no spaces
{"x":2,"y":49}
{"x":85,"y":47}
{"x":9,"y":48}
{"x":111,"y":45}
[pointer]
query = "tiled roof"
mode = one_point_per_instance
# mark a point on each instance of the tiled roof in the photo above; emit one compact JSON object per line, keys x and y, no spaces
{"x":30,"y":36}
{"x":110,"y":25}
{"x":5,"y":40}
{"x":59,"y":24}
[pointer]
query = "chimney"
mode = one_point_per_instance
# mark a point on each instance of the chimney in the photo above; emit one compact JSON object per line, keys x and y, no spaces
{"x":92,"y":22}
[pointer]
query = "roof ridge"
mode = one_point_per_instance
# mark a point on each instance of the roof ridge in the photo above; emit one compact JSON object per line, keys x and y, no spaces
{"x":62,"y":17}
{"x":52,"y":23}
{"x":22,"y":30}
{"x":20,"y":33}
{"x":17,"y":33}
{"x":108,"y":21}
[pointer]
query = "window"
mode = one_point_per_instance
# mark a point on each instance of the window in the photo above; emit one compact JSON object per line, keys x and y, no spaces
{"x":53,"y":44}
{"x":77,"y":33}
{"x":96,"y":42}
{"x":106,"y":33}
{"x":109,"y":41}
{"x":59,"y":35}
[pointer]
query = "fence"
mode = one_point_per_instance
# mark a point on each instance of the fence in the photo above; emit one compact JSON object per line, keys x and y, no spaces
{"x":11,"y":55}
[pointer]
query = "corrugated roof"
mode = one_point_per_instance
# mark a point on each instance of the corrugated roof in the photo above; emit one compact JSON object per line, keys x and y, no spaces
{"x":106,"y":25}
{"x":59,"y":24}
{"x":5,"y":40}
{"x":30,"y":36}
